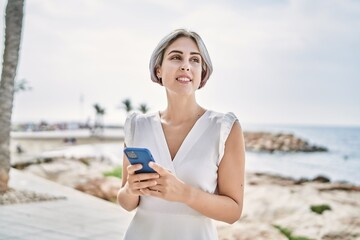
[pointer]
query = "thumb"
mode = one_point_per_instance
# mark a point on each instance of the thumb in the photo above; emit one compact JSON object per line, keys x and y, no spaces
{"x":160,"y":170}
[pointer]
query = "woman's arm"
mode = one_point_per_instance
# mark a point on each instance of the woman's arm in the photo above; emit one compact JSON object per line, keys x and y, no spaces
{"x":129,"y":194}
{"x":227,"y":205}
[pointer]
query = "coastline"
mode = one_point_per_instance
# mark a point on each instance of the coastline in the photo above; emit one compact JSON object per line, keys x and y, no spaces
{"x":271,"y":201}
{"x":296,"y":165}
{"x":273,"y":204}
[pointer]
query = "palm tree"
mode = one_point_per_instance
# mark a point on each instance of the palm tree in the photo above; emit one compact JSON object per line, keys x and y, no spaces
{"x":127,"y":105}
{"x":13,"y":27}
{"x":22,"y":85}
{"x":143,"y":108}
{"x":99,"y":116}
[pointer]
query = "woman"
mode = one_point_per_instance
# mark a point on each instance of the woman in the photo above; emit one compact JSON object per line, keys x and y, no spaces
{"x":199,"y":153}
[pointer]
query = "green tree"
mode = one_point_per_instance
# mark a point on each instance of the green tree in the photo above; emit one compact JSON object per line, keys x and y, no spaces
{"x":127,"y":105}
{"x":13,"y":26}
{"x":143,"y":108}
{"x":99,"y":116}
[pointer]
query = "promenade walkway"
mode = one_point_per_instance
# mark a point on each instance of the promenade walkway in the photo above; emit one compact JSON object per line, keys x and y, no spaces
{"x":79,"y":216}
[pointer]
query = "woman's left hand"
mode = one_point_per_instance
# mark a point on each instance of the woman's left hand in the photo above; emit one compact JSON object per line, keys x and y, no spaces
{"x":168,"y":186}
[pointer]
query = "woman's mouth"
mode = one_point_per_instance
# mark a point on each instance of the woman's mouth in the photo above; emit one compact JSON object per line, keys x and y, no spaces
{"x":183,"y":79}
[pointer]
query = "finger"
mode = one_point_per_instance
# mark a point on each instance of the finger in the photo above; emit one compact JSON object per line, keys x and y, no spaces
{"x":132,"y":168}
{"x":162,"y":181}
{"x":144,"y":184}
{"x":145,"y":176}
{"x":149,"y":192}
{"x":157,"y":188}
{"x":158,"y":168}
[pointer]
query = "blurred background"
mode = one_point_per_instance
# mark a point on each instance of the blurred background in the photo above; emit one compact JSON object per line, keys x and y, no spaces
{"x":278,"y":61}
{"x":289,"y":70}
{"x":279,"y":65}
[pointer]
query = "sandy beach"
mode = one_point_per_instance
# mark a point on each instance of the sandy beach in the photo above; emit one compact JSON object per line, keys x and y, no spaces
{"x":271,"y":202}
{"x":274,"y":207}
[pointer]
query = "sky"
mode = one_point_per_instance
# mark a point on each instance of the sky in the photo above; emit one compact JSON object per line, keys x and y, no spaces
{"x":275,"y":61}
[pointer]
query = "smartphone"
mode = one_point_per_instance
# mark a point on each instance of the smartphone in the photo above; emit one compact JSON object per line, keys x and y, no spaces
{"x":142,"y":156}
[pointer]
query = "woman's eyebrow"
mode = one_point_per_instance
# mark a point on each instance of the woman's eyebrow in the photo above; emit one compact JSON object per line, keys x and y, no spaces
{"x":177,"y":51}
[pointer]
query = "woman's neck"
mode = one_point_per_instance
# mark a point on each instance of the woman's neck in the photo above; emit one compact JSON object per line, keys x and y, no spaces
{"x":180,"y":109}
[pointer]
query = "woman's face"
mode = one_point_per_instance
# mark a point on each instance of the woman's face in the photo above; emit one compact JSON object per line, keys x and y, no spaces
{"x":181,"y":67}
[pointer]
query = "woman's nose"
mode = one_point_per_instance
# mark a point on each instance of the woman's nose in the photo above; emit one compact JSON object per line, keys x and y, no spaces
{"x":185,"y":68}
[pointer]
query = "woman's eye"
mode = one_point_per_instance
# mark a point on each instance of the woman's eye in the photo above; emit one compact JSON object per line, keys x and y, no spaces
{"x":175,"y":57}
{"x":195,"y":60}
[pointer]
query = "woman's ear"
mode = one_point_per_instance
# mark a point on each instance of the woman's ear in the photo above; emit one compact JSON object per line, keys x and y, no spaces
{"x":158,"y":72}
{"x":158,"y":75}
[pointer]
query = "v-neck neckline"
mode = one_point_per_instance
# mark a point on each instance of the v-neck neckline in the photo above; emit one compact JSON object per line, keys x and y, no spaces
{"x":184,"y":142}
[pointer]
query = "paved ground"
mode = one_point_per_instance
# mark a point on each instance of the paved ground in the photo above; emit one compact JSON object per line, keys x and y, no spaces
{"x":79,"y":216}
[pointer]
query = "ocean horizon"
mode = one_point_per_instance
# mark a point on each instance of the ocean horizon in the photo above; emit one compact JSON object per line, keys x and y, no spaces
{"x":340,"y":163}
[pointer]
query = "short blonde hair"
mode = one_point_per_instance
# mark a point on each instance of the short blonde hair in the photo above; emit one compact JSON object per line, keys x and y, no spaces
{"x":158,"y":54}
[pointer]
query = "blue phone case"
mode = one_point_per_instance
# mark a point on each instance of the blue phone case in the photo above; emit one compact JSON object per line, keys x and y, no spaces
{"x":142,"y":156}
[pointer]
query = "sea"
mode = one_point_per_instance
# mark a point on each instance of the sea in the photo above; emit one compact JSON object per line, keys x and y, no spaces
{"x":341,"y":163}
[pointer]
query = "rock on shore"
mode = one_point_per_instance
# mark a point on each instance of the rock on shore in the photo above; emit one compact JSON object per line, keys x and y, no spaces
{"x":105,"y":188}
{"x":83,"y":174}
{"x":269,"y":201}
{"x":69,"y":171}
{"x":281,"y":142}
{"x":277,"y":201}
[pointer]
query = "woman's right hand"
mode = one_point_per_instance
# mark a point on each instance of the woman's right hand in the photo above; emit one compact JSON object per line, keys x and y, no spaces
{"x":136,"y":182}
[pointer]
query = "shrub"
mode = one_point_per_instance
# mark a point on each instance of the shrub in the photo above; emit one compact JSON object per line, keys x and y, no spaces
{"x":116,"y":172}
{"x":319,"y":209}
{"x":288,"y":233}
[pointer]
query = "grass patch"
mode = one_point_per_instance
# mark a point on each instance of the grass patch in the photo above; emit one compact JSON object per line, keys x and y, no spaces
{"x":116,"y":172}
{"x":319,"y":209}
{"x":288,"y":233}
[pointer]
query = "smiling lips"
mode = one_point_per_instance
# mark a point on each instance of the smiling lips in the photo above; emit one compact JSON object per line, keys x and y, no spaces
{"x":183,"y":79}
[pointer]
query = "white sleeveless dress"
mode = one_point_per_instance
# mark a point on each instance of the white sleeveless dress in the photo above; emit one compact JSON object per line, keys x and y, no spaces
{"x":196,"y":163}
